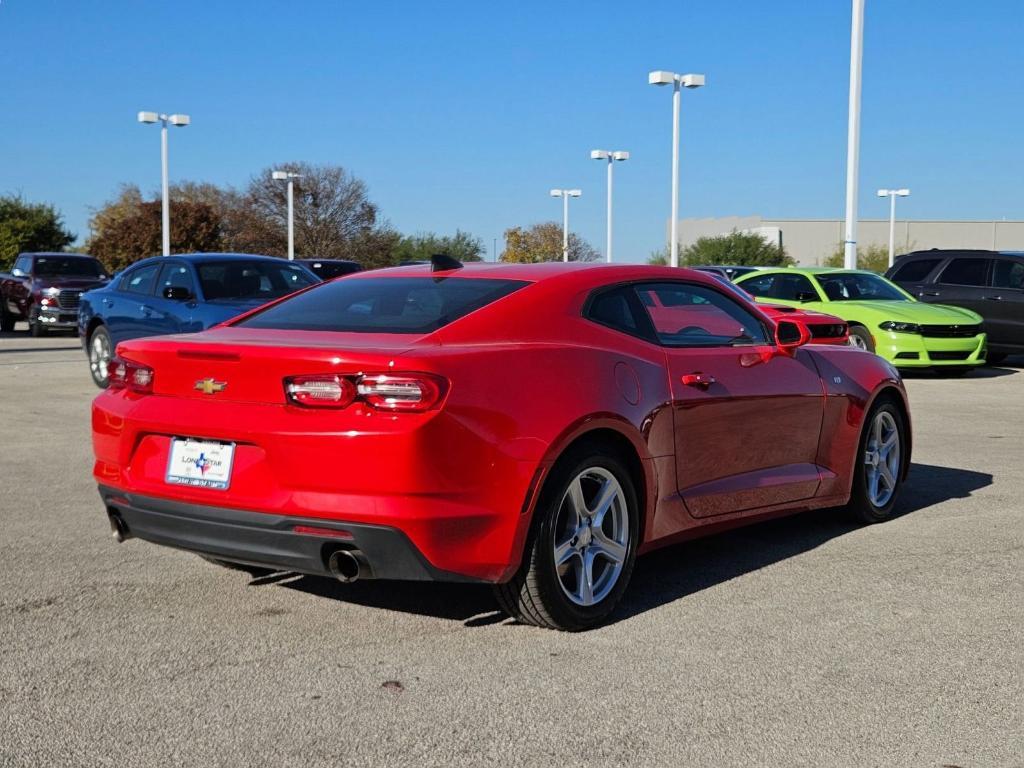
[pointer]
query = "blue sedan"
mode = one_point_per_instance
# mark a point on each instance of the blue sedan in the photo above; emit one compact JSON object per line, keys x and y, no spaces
{"x":183,"y":293}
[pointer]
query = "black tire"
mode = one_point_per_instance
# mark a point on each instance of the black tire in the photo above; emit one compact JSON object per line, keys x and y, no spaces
{"x":36,"y":328}
{"x":861,"y":506}
{"x":858,"y":333}
{"x":995,"y":358}
{"x":7,"y":320}
{"x":96,"y":370}
{"x":535,"y":595}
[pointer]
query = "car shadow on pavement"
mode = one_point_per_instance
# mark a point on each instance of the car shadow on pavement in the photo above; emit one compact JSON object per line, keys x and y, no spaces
{"x":663,"y":576}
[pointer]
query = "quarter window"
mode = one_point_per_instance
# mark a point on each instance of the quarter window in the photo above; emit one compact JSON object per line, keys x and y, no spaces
{"x":614,"y":308}
{"x":685,"y":315}
{"x":965,"y":272}
{"x":915,"y":271}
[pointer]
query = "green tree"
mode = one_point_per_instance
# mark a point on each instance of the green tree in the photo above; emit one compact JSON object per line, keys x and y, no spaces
{"x":659,"y":258}
{"x":739,"y":248}
{"x":128,"y":229}
{"x":874,"y":258}
{"x":420,"y":247}
{"x":543,"y":242}
{"x":29,"y":227}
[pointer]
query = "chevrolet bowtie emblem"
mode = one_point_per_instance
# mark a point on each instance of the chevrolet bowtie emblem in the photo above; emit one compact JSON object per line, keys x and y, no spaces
{"x":210,"y":386}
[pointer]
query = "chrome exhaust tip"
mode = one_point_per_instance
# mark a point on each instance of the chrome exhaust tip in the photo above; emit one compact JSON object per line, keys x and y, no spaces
{"x":118,"y":527}
{"x":346,"y":565}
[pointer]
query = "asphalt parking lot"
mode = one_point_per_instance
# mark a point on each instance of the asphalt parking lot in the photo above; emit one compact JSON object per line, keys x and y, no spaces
{"x":806,"y":641}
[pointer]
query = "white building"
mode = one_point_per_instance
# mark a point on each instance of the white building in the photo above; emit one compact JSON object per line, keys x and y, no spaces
{"x":812,"y":241}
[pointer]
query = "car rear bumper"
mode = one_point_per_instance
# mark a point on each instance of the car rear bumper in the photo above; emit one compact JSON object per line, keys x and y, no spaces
{"x":269,"y":540}
{"x":907,"y":350}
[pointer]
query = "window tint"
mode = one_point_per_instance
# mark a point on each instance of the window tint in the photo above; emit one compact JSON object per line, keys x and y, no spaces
{"x":239,"y":280}
{"x":70,"y":266}
{"x":687,"y":315}
{"x":858,"y":286}
{"x":140,"y":279}
{"x":759,"y":286}
{"x":780,"y":285}
{"x":965,"y":272}
{"x":384,"y":304}
{"x":1008,"y":274}
{"x":176,"y":275}
{"x":915,"y":270}
{"x":614,"y":309}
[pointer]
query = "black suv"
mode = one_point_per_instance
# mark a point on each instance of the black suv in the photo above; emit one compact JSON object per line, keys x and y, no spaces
{"x":989,"y":282}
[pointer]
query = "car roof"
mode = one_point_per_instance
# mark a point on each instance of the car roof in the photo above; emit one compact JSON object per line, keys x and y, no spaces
{"x":62,"y":254}
{"x":811,"y":271}
{"x":583,"y":273}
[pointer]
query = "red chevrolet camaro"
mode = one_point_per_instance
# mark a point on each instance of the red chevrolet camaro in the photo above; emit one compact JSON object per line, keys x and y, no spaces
{"x":531,"y":426}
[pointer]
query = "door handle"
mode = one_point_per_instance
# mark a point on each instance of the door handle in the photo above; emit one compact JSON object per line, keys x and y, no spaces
{"x":108,"y":302}
{"x":146,"y":310}
{"x":930,"y":293}
{"x":993,"y":298}
{"x":698,"y":379}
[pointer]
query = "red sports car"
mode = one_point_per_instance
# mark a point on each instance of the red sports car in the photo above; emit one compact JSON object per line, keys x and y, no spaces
{"x":531,"y":426}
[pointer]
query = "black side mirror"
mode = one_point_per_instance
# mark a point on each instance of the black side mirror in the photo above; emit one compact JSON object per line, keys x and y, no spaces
{"x":177,"y":293}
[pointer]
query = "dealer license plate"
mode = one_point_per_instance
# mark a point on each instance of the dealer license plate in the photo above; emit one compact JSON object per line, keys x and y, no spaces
{"x":200,"y":463}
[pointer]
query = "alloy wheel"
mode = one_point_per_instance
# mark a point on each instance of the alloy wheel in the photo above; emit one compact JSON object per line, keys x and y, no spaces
{"x":882,"y":459}
{"x":591,"y":536}
{"x":99,"y":356}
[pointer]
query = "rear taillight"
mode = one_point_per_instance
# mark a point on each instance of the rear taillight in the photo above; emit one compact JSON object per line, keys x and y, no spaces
{"x":401,"y":392}
{"x":395,"y":392}
{"x":320,"y":391}
{"x":124,"y":374}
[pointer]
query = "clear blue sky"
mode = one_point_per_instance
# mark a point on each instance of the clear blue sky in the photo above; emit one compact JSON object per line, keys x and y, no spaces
{"x":463,"y":115}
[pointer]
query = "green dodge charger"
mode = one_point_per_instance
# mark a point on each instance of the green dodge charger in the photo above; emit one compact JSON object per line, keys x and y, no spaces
{"x":883,"y":318}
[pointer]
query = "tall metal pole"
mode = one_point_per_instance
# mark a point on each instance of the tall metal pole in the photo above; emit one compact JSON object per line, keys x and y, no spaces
{"x":892,"y":227}
{"x":853,"y":135}
{"x":164,"y":189}
{"x":565,"y":226}
{"x":291,"y":221}
{"x":608,"y":247}
{"x":674,"y":225}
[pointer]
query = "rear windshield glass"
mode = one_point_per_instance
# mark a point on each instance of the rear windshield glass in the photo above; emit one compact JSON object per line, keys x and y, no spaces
{"x":54,"y":266}
{"x":383,"y":305}
{"x":244,"y":280}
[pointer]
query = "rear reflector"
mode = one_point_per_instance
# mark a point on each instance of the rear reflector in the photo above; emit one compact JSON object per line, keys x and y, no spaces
{"x":313,"y":530}
{"x":124,"y":374}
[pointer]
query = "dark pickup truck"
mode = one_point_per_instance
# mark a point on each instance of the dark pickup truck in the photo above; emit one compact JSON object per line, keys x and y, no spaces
{"x":45,"y":288}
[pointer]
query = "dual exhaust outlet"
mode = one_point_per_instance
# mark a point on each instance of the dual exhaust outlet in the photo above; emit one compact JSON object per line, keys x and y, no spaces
{"x":346,"y":565}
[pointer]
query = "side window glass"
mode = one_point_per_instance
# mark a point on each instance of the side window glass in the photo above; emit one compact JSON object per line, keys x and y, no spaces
{"x":915,"y":271}
{"x":1008,"y":274}
{"x":614,"y":309}
{"x":140,"y":280}
{"x":176,"y":276}
{"x":793,"y":288}
{"x":759,"y":286}
{"x":687,"y":315}
{"x":965,"y":272}
{"x":24,"y":264}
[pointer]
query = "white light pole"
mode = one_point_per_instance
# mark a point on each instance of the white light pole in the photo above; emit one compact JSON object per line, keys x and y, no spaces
{"x":661,"y":77}
{"x":611,"y":157}
{"x":565,"y":194}
{"x":853,"y":135}
{"x":181,"y":121}
{"x":290,"y":178}
{"x":892,"y":194}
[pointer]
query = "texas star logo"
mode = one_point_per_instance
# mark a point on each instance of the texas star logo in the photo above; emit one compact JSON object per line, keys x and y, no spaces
{"x":202,"y":463}
{"x":210,"y":386}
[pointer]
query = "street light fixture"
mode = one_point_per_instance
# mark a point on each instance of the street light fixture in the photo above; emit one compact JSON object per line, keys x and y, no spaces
{"x":290,"y":178}
{"x":892,"y":194}
{"x":611,"y":157}
{"x":565,"y":194}
{"x":180,"y":121}
{"x":662,"y":77}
